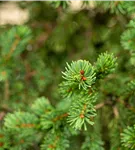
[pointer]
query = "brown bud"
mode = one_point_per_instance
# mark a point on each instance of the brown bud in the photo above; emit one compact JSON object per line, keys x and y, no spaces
{"x":82,"y":72}
{"x":84,"y":78}
{"x":81,"y":115}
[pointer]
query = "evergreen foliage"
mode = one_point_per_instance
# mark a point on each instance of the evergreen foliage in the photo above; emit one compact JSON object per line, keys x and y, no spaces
{"x":80,"y":74}
{"x":90,"y":104}
{"x":128,"y":137}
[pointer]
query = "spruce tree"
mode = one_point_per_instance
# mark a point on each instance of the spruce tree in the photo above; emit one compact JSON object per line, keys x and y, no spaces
{"x":67,"y":78}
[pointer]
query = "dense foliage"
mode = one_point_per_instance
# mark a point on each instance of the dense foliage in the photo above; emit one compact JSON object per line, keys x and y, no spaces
{"x":67,"y":77}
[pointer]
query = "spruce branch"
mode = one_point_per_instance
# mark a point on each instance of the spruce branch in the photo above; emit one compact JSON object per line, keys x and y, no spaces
{"x":18,"y":120}
{"x":128,"y":137}
{"x":41,"y":106}
{"x":79,"y":74}
{"x":93,"y":137}
{"x":14,"y":41}
{"x":127,"y":39}
{"x":92,"y":142}
{"x":20,"y":127}
{"x":66,"y":90}
{"x":130,"y":89}
{"x":55,"y":141}
{"x":82,"y":111}
{"x":53,"y":120}
{"x":106,"y":64}
{"x":118,"y":7}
